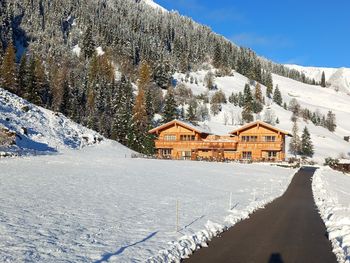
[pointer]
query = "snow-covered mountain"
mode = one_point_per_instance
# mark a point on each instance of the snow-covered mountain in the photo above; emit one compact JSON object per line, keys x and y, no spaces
{"x":337,"y":78}
{"x":39,"y":130}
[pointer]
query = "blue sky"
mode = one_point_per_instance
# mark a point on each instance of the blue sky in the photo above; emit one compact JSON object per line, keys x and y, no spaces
{"x":305,"y":32}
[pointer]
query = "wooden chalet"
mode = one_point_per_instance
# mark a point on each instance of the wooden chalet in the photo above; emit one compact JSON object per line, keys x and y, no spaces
{"x":257,"y":141}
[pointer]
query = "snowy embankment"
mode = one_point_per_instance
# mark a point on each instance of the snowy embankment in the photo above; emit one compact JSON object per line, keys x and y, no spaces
{"x":332,"y":196}
{"x":98,"y":204}
{"x":40,"y":131}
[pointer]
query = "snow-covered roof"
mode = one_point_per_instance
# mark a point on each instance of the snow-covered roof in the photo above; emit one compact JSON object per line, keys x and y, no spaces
{"x":188,"y":125}
{"x":251,"y":124}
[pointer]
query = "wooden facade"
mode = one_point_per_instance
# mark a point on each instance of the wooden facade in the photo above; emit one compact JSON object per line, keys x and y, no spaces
{"x":257,"y":141}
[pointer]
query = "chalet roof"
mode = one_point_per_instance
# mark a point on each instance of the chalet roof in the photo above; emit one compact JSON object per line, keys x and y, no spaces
{"x":252,"y":124}
{"x":187,"y":125}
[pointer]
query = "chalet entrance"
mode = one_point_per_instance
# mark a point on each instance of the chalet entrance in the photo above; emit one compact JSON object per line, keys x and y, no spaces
{"x":165,"y":153}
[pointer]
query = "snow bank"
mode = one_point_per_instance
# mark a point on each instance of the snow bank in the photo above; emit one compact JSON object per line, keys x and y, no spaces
{"x":41,"y":131}
{"x":332,"y":196}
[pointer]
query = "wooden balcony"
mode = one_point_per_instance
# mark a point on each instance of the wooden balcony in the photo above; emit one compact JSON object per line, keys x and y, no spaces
{"x":194,"y":145}
{"x":262,"y":145}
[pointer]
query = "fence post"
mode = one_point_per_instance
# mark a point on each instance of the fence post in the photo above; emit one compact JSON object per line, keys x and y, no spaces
{"x":177,"y":216}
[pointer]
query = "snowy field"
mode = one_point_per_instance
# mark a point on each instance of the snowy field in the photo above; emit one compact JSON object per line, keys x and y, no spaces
{"x":332,"y":195}
{"x":99,"y":205}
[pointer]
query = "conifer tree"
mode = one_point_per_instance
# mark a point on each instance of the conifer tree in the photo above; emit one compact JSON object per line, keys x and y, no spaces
{"x":323,"y":80}
{"x":22,"y":76}
{"x":88,"y":43}
{"x":269,"y":84}
{"x":123,"y":108}
{"x":170,"y":107}
{"x":217,"y":60}
{"x":258,"y":93}
{"x":247,"y":114}
{"x":145,"y":75}
{"x":191,"y":115}
{"x":141,"y":140}
{"x":330,"y":122}
{"x":8,"y":69}
{"x":32,"y":93}
{"x":295,"y":143}
{"x":277,"y":96}
{"x":307,"y":148}
{"x":248,"y":98}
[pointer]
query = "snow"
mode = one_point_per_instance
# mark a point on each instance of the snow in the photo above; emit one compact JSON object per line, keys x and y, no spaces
{"x":100,"y":51}
{"x":47,"y":131}
{"x":77,"y":50}
{"x":154,"y":5}
{"x":331,"y":193}
{"x":98,"y":204}
{"x":326,"y":143}
{"x":338,"y":78}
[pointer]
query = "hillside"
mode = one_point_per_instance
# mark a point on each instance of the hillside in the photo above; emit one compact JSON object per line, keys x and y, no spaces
{"x":337,"y":78}
{"x":312,"y":97}
{"x":41,"y":131}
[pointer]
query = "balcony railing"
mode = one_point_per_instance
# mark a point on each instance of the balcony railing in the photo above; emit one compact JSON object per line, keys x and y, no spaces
{"x":196,"y":144}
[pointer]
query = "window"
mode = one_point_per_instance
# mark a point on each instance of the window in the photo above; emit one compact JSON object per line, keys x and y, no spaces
{"x":170,"y":137}
{"x":187,"y":137}
{"x":270,"y":138}
{"x":249,"y":138}
{"x":272,"y":154}
{"x":186,"y":155}
{"x":165,"y":152}
{"x":247,"y":155}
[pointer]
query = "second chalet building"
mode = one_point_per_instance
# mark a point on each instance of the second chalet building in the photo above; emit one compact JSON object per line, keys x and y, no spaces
{"x":256,"y":141}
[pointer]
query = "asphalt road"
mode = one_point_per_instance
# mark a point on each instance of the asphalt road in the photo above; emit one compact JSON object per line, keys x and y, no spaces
{"x":289,"y":230}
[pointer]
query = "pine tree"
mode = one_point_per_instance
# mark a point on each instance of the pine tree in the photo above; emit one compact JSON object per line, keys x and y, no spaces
{"x":217,"y":60}
{"x":32,"y":93}
{"x":22,"y":76}
{"x":191,"y":115}
{"x":258,"y":93}
{"x":145,"y":76}
{"x":8,"y":69}
{"x":323,"y":80}
{"x":307,"y":148}
{"x":162,"y":74}
{"x":269,"y":84}
{"x":248,"y":98}
{"x":88,"y":43}
{"x":123,"y":108}
{"x":141,"y":141}
{"x":277,"y":96}
{"x":247,"y":115}
{"x":295,"y":143}
{"x":330,"y":122}
{"x":170,"y":107}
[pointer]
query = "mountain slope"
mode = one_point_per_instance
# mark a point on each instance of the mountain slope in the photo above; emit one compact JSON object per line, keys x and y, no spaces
{"x":312,"y":97}
{"x":337,"y":78}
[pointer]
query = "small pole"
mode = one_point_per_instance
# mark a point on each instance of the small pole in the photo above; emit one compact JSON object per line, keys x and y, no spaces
{"x":177,"y":215}
{"x":230,"y":204}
